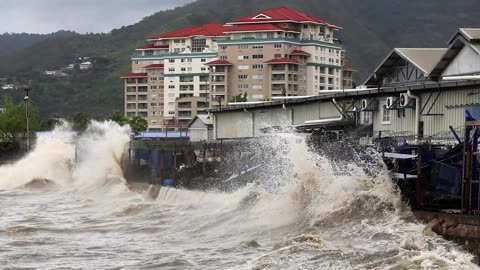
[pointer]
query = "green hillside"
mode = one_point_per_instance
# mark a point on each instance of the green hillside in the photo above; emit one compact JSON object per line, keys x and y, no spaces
{"x":371,"y":29}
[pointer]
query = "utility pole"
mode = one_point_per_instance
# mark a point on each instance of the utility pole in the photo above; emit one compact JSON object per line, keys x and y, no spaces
{"x":26,"y":99}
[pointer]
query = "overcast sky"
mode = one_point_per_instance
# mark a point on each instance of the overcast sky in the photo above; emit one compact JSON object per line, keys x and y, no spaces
{"x":46,"y":16}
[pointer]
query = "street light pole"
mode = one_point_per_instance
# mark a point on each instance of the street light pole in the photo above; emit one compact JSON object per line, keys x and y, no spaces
{"x":27,"y":116}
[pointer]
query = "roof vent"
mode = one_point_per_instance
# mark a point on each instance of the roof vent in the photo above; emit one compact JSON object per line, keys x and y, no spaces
{"x":261,"y":16}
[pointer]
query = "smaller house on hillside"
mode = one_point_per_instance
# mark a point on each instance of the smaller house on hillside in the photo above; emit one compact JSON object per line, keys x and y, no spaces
{"x":201,"y":128}
{"x":85,"y":65}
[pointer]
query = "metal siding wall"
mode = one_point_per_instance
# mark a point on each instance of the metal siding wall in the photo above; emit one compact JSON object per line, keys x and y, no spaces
{"x":197,"y":135}
{"x":467,"y":61}
{"x":235,"y":124}
{"x":269,"y":118}
{"x":433,"y":125}
{"x":299,"y":114}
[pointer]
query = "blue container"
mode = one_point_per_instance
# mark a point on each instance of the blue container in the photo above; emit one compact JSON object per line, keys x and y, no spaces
{"x":168,"y":182}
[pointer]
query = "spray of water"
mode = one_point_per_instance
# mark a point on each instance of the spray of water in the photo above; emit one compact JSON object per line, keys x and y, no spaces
{"x":303,"y":210}
{"x":84,"y":162}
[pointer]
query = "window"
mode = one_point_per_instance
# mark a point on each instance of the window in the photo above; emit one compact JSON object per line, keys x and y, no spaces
{"x":189,"y":69}
{"x":242,"y":57}
{"x":171,"y":104}
{"x":203,"y":68}
{"x":153,"y":104}
{"x":203,"y":60}
{"x":243,"y":86}
{"x":189,"y":60}
{"x":223,"y":57}
{"x":171,"y":69}
{"x":171,"y":60}
{"x":176,"y":41}
{"x":257,"y":86}
{"x":277,"y":46}
{"x":257,"y":66}
{"x":198,"y":44}
{"x":242,"y":77}
{"x":153,"y":78}
{"x":153,"y":87}
{"x":386,"y":117}
{"x":366,"y":117}
{"x":242,"y":47}
{"x":257,"y":46}
{"x":182,"y":60}
{"x":257,"y":96}
{"x":243,"y":67}
{"x":257,"y":77}
{"x":305,"y":26}
{"x":223,"y":47}
{"x":171,"y":87}
{"x":257,"y":56}
{"x":183,"y":69}
{"x":277,"y":56}
{"x":171,"y":94}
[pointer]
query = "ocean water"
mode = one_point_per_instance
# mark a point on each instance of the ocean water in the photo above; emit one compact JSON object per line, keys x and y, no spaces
{"x":62,"y":208}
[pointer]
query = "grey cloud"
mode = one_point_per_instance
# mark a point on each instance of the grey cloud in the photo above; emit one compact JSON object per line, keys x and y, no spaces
{"x":46,"y":16}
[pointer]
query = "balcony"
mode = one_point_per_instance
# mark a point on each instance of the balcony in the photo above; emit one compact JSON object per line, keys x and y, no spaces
{"x":278,"y":78}
{"x":142,"y":97}
{"x":188,"y":79}
{"x":142,"y":89}
{"x":131,"y":97}
{"x":293,"y":78}
{"x":219,"y":69}
{"x":184,"y":105}
{"x":142,"y":80}
{"x":131,"y":89}
{"x":142,"y":106}
{"x":185,"y":114}
{"x":219,"y":89}
{"x":278,"y":67}
{"x":186,"y":87}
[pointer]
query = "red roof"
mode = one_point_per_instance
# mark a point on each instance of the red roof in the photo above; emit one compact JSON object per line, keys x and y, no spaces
{"x":349,"y":69}
{"x":152,"y":47}
{"x":259,"y":27}
{"x":134,"y":75}
{"x":154,"y":66}
{"x":282,"y":14}
{"x":209,"y":30}
{"x":299,"y":52}
{"x":282,"y":61}
{"x":219,"y":63}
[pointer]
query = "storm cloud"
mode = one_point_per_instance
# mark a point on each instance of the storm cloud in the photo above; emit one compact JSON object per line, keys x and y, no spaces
{"x":46,"y":16}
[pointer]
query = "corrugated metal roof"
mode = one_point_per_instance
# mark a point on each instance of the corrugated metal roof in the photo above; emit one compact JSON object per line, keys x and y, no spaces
{"x":424,"y":58}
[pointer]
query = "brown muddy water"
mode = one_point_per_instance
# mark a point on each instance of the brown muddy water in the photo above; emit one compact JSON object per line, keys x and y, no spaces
{"x":58,"y":213}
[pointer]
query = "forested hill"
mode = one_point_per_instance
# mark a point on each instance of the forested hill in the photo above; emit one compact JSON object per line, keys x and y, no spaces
{"x":10,"y":42}
{"x":371,"y":29}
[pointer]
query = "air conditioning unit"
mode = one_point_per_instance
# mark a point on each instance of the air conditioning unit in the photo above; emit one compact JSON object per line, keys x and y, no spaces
{"x":389,"y":102}
{"x":364,"y":104}
{"x":404,"y":99}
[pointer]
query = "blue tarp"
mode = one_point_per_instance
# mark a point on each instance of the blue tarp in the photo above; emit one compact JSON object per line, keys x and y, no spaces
{"x":158,"y":134}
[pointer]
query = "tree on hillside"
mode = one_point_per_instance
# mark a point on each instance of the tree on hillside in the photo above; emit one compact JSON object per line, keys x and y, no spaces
{"x":13,"y":123}
{"x":79,"y":121}
{"x":118,"y":117}
{"x":138,"y":124}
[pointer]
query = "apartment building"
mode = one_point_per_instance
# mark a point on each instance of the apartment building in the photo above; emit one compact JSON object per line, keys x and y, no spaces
{"x":276,"y":52}
{"x":171,"y":70}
